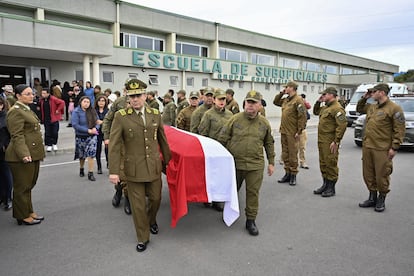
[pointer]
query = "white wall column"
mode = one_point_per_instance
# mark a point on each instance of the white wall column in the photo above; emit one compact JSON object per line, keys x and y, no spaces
{"x":95,"y":71}
{"x":171,"y":41}
{"x":86,"y":69}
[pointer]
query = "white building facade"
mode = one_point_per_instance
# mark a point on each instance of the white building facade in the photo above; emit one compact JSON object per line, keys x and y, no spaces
{"x":108,"y":41}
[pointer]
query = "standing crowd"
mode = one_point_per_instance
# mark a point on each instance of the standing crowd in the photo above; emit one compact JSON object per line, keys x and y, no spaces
{"x":129,"y":129}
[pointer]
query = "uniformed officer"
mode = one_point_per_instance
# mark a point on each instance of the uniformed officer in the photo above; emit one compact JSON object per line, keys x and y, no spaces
{"x":139,"y":129}
{"x":292,"y":123}
{"x":215,"y":118}
{"x":212,"y":122}
{"x":151,"y":101}
{"x":231,"y":103}
{"x":120,"y":103}
{"x":168,"y":113}
{"x":181,"y":101}
{"x":331,"y":129}
{"x":245,"y":135}
{"x":184,"y":117}
{"x":199,"y":112}
{"x":24,"y":154}
{"x":384,"y":133}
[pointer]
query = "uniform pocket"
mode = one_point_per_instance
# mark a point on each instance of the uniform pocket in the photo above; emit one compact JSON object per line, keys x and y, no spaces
{"x":129,"y":168}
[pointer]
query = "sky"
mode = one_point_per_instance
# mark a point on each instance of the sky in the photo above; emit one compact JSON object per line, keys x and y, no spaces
{"x":375,"y":29}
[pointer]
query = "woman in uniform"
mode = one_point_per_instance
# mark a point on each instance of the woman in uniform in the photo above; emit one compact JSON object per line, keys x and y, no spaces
{"x":24,"y":154}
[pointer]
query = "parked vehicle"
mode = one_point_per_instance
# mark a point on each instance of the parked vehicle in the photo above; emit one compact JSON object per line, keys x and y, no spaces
{"x":351,"y":114}
{"x":407,"y":105}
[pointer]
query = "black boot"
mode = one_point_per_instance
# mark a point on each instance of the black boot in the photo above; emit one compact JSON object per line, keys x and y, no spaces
{"x":91,"y":177}
{"x":292,"y":181}
{"x":371,"y":201}
{"x":99,"y":168}
{"x":81,"y":172}
{"x":127,"y":206}
{"x":116,"y":200}
{"x":285,"y":178}
{"x":8,"y":205}
{"x":251,"y":227}
{"x":321,"y":189}
{"x":329,"y":191}
{"x":380,"y":205}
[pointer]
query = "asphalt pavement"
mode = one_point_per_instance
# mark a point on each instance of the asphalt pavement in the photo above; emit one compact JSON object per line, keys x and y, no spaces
{"x":300,"y":233}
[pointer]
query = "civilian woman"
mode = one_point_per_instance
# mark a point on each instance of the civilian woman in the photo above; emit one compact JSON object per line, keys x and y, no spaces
{"x":24,"y":154}
{"x":90,"y":92}
{"x":84,"y":122}
{"x":101,"y":107}
{"x":6,"y":184}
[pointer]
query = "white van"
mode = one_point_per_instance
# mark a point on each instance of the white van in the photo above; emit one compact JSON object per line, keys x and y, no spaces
{"x":350,"y":109}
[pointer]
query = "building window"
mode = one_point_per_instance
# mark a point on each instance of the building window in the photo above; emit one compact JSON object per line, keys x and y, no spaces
{"x":141,"y":42}
{"x":267,"y":86}
{"x":231,"y":84}
{"x":190,"y":81}
{"x":79,"y":75}
{"x":312,"y":88}
{"x":346,"y":71}
{"x":241,"y":84}
{"x":263,"y":59}
{"x":289,"y":63}
{"x":311,"y":66}
{"x":173,"y":80}
{"x":132,"y":75}
{"x":361,"y":71}
{"x":108,"y":76}
{"x":204,"y":82}
{"x":330,"y":69}
{"x":305,"y":88}
{"x":191,"y":49}
{"x":153,"y":80}
{"x":233,"y":55}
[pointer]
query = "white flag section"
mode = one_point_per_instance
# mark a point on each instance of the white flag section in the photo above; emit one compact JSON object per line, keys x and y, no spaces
{"x":201,"y":169}
{"x":221,"y":178}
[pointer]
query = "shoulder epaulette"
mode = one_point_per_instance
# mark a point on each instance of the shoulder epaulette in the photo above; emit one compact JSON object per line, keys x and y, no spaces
{"x":122,"y":112}
{"x":156,"y":111}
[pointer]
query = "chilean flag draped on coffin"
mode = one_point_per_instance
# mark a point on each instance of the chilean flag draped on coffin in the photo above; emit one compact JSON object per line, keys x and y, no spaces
{"x":200,"y":170}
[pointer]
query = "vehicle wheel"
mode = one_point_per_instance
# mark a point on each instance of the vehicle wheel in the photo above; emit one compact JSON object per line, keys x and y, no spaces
{"x":358,"y":143}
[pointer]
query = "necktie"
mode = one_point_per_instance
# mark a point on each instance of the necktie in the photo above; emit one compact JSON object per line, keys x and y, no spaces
{"x":141,"y":115}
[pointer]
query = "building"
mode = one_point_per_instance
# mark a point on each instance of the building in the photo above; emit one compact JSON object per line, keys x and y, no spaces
{"x":107,"y":41}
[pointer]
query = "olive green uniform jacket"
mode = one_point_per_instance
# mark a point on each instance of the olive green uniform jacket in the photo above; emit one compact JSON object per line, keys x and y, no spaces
{"x":233,"y":106}
{"x":184,"y":118}
{"x":197,"y":116}
{"x":245,"y":138}
{"x":332,"y":122}
{"x":181,"y":104}
{"x":385,"y":124}
{"x":25,"y":134}
{"x":213,"y":121}
{"x":293,"y":114}
{"x":119,"y":103}
{"x":142,"y":144}
{"x":168,"y":114}
{"x":154,"y":104}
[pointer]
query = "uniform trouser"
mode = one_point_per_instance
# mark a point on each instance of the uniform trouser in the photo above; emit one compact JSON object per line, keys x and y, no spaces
{"x":376,"y":169}
{"x":51,"y":133}
{"x":144,"y":217}
{"x":328,"y":162}
{"x":253,"y":181}
{"x":303,"y":138}
{"x":24,"y":179}
{"x":290,"y":153}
